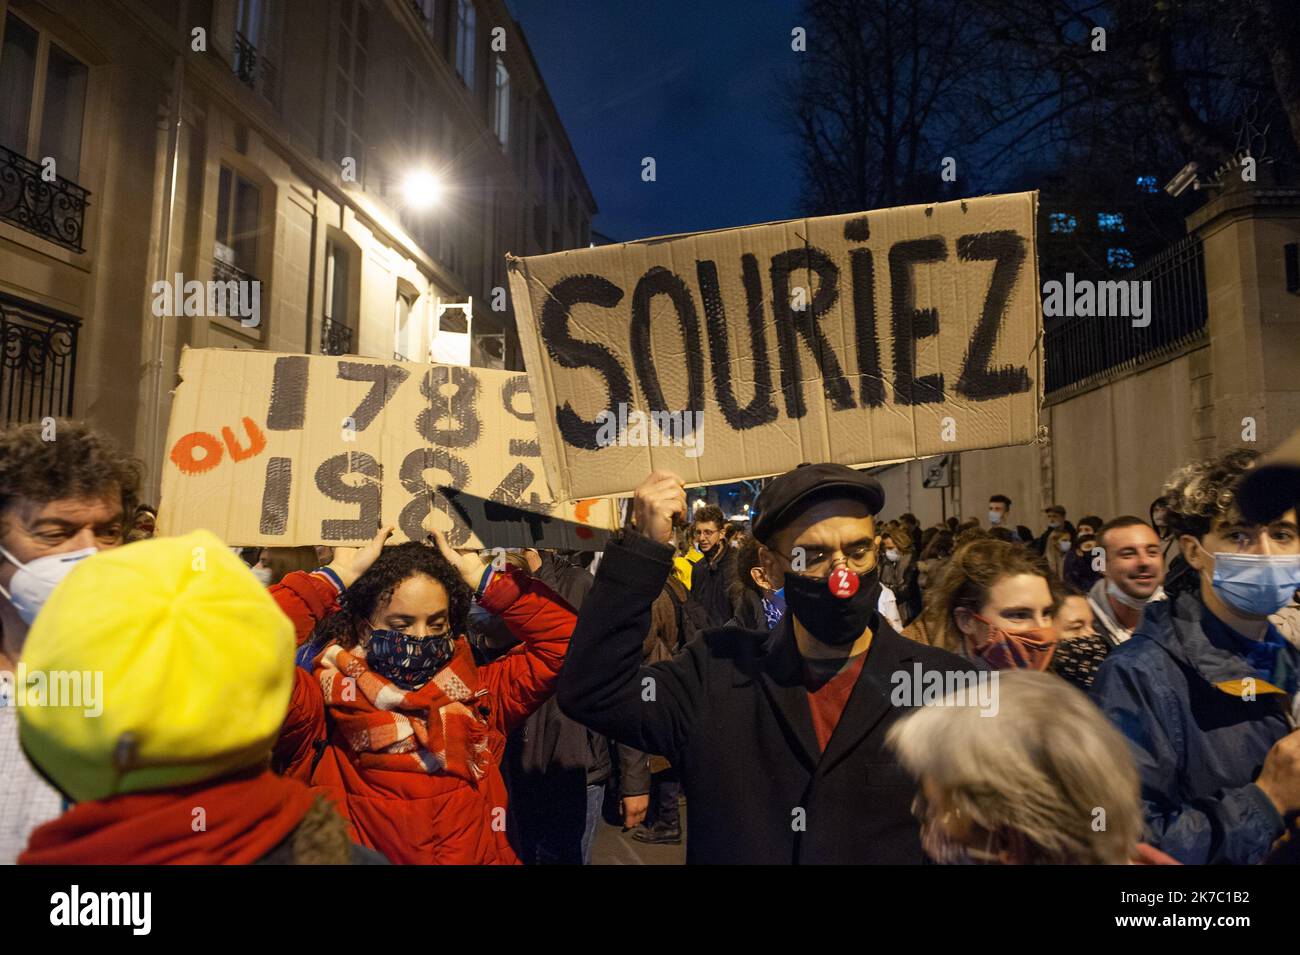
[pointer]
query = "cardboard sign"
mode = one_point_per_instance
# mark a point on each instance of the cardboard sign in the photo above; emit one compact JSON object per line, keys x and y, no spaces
{"x":283,"y":450}
{"x":860,"y":339}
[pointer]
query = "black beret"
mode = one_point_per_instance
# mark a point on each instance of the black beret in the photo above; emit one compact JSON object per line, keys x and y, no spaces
{"x":782,"y":500}
{"x":1273,"y":488}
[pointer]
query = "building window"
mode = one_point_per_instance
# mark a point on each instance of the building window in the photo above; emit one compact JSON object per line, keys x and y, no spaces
{"x":426,"y":10}
{"x":540,"y":149}
{"x":1062,"y":223}
{"x":350,"y":84}
{"x":55,"y":131}
{"x":501,"y":113}
{"x":1119,"y":258}
{"x":465,"y":34}
{"x":252,"y":42}
{"x":238,"y":207}
{"x":406,"y":327}
{"x":1110,"y":221}
{"x":336,"y":330}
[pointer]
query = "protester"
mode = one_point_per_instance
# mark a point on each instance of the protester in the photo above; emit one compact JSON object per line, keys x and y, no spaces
{"x":164,"y":747}
{"x":1060,"y":543}
{"x":395,"y":721}
{"x":898,"y":572}
{"x":1080,"y":650}
{"x":1088,"y":526}
{"x":713,"y":578}
{"x":778,"y":748}
{"x":60,"y":502}
{"x":1025,"y":785}
{"x":142,"y":523}
{"x":1079,"y":568}
{"x":758,"y":605}
{"x":1056,"y":525}
{"x":995,"y":605}
{"x":1203,"y":689}
{"x":1131,"y":579}
{"x":274,"y":563}
{"x":934,"y":557}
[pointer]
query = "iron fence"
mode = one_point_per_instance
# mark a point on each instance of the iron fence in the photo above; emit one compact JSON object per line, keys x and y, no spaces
{"x":38,"y":361}
{"x":335,"y":338}
{"x":53,"y":209}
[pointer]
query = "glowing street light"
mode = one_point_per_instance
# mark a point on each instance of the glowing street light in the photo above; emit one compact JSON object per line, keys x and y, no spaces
{"x":421,"y":189}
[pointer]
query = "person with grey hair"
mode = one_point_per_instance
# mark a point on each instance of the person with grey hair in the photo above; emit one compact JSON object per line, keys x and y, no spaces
{"x":1043,"y":779}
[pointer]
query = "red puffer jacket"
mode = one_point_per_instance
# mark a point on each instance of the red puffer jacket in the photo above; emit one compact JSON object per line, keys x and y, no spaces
{"x":413,"y":817}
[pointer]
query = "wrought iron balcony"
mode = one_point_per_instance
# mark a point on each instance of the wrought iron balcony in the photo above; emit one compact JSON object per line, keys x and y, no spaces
{"x":225,"y":272}
{"x":253,"y":69}
{"x":38,"y":361}
{"x":53,"y":210}
{"x":335,"y":338}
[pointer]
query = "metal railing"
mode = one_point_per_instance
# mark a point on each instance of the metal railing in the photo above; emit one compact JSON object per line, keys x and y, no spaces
{"x":1080,"y":349}
{"x":38,"y":361}
{"x":253,"y":68}
{"x":54,"y":210}
{"x":335,"y":338}
{"x":225,"y":272}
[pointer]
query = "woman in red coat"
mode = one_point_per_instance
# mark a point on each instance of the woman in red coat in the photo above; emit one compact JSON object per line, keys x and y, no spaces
{"x":394,"y":721}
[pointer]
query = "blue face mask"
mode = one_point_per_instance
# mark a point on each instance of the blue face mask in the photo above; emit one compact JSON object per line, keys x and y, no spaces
{"x":1256,"y":584}
{"x":410,"y":662}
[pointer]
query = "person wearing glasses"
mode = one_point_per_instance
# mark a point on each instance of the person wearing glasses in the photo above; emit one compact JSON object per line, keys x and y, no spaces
{"x":780,"y":743}
{"x":391,"y":717}
{"x":714,"y":577}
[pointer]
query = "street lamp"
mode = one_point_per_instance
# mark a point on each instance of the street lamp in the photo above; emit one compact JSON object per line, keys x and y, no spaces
{"x":421,"y":189}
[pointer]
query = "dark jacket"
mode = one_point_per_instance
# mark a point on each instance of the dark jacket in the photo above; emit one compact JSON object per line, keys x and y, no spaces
{"x":1199,"y":746}
{"x":733,"y":717}
{"x":713,"y":583}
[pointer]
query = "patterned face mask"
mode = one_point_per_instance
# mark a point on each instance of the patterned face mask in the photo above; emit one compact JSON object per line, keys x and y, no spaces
{"x":410,"y":662}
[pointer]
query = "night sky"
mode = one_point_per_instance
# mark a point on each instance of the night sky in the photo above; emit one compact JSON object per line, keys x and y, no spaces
{"x":686,"y":83}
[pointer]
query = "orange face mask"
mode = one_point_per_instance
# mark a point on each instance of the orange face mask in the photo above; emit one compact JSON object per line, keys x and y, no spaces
{"x":1022,"y":650}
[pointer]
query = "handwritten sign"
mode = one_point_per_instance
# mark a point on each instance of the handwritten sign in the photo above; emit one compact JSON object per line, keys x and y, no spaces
{"x":860,"y":339}
{"x":284,"y":450}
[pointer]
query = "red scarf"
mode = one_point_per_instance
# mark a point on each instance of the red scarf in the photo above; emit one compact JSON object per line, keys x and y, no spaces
{"x":243,"y":818}
{"x":440,"y":727}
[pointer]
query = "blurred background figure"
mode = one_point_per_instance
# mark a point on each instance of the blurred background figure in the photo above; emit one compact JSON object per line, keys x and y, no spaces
{"x":1044,"y":780}
{"x":142,"y":523}
{"x":274,"y":562}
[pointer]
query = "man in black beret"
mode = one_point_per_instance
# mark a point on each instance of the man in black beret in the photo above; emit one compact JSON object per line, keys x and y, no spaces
{"x":780,"y":742}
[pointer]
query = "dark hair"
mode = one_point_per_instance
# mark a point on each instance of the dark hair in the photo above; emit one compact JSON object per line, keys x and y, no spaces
{"x":394,"y":565}
{"x":909,"y":518}
{"x":927,"y":535}
{"x":77,"y":462}
{"x":1000,"y":499}
{"x":746,"y":561}
{"x":1128,"y":520}
{"x":1200,"y":493}
{"x":285,"y":560}
{"x":940,"y":546}
{"x":1002,"y":534}
{"x":953,"y":524}
{"x":712,"y":513}
{"x":1092,"y":520}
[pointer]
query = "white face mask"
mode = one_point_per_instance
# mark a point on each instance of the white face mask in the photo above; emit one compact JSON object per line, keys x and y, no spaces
{"x":892,"y":555}
{"x":1065,"y":546}
{"x":995,"y":517}
{"x":33,"y":583}
{"x":1133,"y":603}
{"x":263,"y":575}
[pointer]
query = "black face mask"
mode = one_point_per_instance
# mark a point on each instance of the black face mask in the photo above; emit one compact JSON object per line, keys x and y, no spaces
{"x":835,"y":621}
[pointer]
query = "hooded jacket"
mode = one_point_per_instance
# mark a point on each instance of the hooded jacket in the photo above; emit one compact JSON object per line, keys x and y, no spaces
{"x":1175,"y":690}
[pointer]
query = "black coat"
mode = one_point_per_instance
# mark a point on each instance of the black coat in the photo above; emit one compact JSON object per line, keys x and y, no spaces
{"x":713,"y":583}
{"x":731,"y":713}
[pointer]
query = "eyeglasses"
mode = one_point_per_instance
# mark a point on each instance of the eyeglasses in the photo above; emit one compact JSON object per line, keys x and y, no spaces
{"x":859,"y":558}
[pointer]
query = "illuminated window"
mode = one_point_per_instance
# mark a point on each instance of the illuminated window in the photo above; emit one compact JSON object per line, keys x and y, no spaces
{"x":1110,"y":221}
{"x":1062,"y":223}
{"x":1119,"y":258}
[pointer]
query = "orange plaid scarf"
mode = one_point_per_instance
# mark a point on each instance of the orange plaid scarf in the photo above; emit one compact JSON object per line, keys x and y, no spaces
{"x":439,"y":728}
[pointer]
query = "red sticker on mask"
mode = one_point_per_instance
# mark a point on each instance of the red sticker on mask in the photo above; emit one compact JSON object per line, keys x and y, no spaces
{"x":842,"y":583}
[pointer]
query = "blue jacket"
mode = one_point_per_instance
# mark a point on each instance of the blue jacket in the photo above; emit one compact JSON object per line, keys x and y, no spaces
{"x":1175,"y":690}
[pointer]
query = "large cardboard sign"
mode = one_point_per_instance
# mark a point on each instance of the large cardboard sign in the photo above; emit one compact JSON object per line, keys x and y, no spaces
{"x":861,"y":339}
{"x":283,"y":450}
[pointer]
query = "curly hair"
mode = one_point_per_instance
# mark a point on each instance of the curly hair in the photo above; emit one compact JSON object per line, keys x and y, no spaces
{"x":77,"y":462}
{"x":375,"y":587}
{"x":1200,"y":493}
{"x":973,"y":570}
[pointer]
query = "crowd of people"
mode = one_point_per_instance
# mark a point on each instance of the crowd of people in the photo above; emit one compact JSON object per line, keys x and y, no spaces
{"x":817,"y":684}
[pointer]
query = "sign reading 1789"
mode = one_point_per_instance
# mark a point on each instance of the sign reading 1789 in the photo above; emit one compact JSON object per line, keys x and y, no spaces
{"x":285,"y":450}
